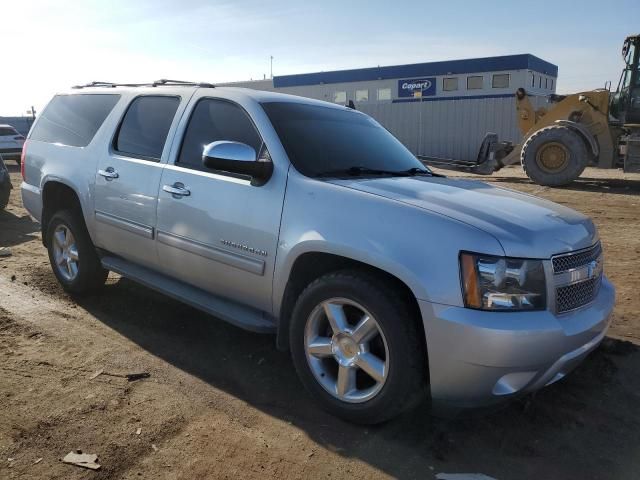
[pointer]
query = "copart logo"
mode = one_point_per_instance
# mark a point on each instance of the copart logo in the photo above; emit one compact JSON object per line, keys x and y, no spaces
{"x":417,"y":86}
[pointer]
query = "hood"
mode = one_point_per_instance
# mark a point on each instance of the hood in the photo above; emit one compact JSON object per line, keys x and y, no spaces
{"x":525,"y":225}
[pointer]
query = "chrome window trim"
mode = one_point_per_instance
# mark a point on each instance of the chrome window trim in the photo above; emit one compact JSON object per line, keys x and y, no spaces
{"x":202,"y":173}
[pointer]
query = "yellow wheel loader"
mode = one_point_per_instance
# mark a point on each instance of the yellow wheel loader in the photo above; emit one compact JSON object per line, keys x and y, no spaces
{"x":596,"y":128}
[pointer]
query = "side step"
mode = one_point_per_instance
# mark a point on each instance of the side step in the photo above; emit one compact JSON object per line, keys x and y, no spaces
{"x":239,"y":315}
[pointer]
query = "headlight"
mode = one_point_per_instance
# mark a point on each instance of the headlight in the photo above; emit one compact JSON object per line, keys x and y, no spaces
{"x":502,"y":283}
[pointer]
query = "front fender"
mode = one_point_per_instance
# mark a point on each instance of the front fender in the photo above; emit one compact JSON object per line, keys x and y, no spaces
{"x":320,"y":245}
{"x":417,"y":246}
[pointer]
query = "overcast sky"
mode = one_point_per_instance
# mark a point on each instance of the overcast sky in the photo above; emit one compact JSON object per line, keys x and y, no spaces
{"x":56,"y":44}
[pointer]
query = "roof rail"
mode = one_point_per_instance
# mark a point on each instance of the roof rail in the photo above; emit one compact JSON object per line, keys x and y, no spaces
{"x":112,"y":85}
{"x":158,"y":83}
{"x":164,"y":81}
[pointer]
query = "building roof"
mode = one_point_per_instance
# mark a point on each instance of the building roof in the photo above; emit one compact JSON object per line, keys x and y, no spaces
{"x":524,"y":61}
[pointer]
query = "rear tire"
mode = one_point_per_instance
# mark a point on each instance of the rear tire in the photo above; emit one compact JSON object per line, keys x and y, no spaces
{"x":72,"y":255}
{"x":362,"y":378}
{"x":554,"y":156}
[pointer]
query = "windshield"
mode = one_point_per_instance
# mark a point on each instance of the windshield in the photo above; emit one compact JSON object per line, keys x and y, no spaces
{"x":320,"y":139}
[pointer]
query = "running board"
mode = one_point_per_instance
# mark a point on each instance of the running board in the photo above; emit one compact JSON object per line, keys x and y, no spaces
{"x":239,"y":315}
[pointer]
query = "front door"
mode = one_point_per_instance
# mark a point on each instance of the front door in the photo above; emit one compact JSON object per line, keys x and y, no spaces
{"x":215,"y":230}
{"x":128,"y":177}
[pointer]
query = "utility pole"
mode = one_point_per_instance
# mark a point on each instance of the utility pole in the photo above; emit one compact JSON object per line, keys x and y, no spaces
{"x":271,"y":66}
{"x":32,"y":112}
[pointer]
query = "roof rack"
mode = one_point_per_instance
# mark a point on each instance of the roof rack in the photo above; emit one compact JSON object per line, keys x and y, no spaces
{"x":158,"y":83}
{"x":164,"y":81}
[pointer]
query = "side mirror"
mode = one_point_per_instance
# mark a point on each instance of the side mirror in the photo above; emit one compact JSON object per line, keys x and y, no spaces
{"x":237,"y":157}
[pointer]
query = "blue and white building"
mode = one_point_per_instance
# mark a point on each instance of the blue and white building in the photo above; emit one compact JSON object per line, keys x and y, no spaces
{"x":440,"y":109}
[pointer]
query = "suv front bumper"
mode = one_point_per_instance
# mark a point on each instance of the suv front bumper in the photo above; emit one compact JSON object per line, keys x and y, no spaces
{"x":480,"y":358}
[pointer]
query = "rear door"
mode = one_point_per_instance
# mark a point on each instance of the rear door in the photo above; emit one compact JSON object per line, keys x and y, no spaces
{"x":128,"y":176}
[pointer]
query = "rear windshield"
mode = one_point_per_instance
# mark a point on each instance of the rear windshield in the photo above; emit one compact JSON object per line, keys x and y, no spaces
{"x":6,"y":131}
{"x":73,"y":119}
{"x":320,"y":139}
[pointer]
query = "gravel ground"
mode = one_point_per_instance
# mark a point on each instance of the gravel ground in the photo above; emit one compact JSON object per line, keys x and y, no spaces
{"x":223,"y":403}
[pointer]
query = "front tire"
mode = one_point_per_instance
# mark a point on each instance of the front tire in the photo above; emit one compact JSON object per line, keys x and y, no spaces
{"x":72,"y":255}
{"x":554,"y":156}
{"x":357,"y":348}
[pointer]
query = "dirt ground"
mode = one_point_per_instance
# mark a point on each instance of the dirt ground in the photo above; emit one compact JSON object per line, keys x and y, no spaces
{"x":223,"y":403}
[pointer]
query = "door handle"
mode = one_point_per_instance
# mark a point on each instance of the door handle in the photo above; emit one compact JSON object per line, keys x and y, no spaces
{"x":109,"y":173}
{"x":177,"y":190}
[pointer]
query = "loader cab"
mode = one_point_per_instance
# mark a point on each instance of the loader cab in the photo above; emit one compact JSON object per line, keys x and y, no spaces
{"x":625,"y":103}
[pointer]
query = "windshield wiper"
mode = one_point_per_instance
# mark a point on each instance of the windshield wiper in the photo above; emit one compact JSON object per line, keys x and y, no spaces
{"x":357,"y":171}
{"x":354,"y":172}
{"x":421,"y":171}
{"x":418,"y":171}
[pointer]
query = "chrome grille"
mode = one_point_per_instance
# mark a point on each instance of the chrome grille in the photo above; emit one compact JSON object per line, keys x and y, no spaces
{"x":565,"y":262}
{"x":577,"y":277}
{"x":574,"y":296}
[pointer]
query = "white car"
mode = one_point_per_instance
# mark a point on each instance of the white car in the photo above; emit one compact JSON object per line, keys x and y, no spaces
{"x":11,"y":142}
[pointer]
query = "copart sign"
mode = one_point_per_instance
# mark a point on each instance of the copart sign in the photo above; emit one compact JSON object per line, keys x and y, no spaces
{"x":417,"y":87}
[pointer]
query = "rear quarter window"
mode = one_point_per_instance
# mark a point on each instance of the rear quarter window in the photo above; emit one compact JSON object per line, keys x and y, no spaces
{"x":73,"y":120}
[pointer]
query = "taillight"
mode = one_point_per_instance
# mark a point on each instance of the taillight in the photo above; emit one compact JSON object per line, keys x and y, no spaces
{"x":23,"y":157}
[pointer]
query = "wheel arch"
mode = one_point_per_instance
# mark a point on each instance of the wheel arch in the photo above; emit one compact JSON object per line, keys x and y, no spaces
{"x":57,"y":195}
{"x":313,"y":264}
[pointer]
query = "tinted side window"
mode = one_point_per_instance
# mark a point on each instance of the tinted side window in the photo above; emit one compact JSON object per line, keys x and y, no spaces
{"x":73,"y":119}
{"x":144,"y":128}
{"x":214,"y":120}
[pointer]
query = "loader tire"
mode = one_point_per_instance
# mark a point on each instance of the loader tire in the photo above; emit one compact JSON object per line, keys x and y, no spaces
{"x":555,"y":156}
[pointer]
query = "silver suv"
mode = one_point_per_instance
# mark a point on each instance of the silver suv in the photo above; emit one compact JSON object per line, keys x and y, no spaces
{"x":281,"y":214}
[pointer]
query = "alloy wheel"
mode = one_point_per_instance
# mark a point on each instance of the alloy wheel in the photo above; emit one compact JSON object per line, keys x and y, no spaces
{"x":346,"y":350}
{"x":65,"y":252}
